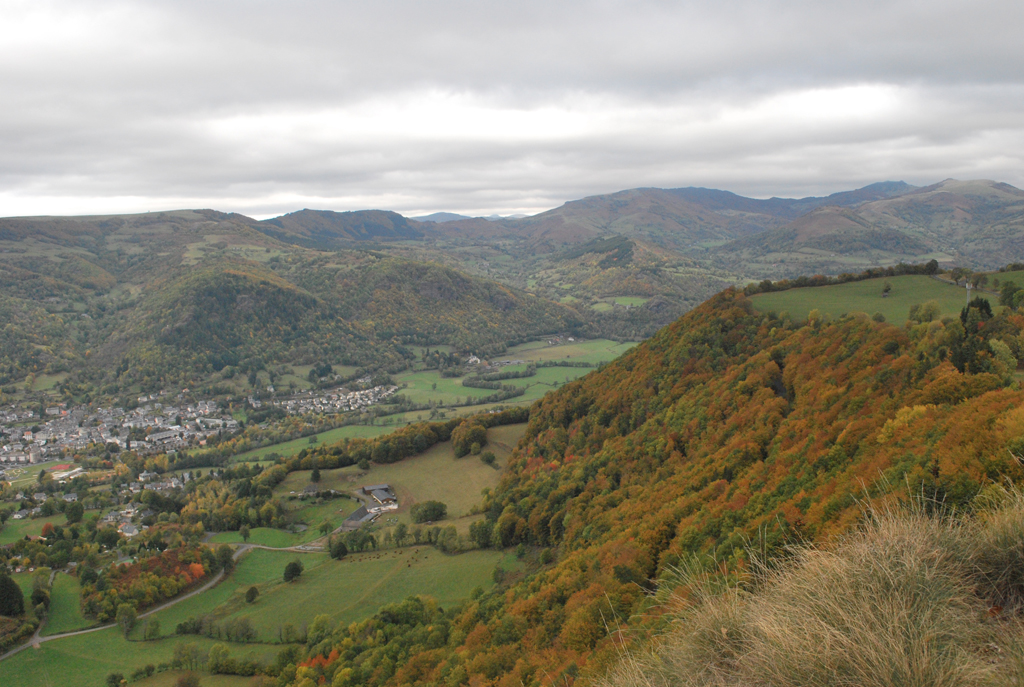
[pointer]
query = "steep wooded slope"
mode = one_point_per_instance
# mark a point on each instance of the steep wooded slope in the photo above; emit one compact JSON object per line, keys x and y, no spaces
{"x":727,"y":427}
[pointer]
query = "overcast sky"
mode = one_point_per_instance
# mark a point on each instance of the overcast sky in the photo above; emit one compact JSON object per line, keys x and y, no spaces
{"x":484,"y":107}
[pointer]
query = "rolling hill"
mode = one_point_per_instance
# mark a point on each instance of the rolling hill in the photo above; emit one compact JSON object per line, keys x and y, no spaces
{"x":727,"y":430}
{"x":978,"y":223}
{"x":105,"y":305}
{"x":324,"y":229}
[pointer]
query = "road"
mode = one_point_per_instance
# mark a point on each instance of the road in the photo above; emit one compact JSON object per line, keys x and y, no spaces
{"x":37,"y":639}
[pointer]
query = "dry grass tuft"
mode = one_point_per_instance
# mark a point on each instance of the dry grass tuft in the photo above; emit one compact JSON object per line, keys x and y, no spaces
{"x":910,"y":600}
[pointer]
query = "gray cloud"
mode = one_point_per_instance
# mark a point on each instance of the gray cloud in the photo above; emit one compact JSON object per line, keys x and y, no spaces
{"x":267,"y":107}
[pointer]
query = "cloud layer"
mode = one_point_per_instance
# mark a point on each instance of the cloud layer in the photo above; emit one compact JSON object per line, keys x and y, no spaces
{"x":483,"y":107}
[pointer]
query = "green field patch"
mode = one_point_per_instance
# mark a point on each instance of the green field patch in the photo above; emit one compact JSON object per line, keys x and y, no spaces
{"x":436,"y":474}
{"x":26,"y":580}
{"x":866,"y":296}
{"x":88,"y":659}
{"x":65,"y":607}
{"x":290,"y":448}
{"x":267,"y":536}
{"x":47,"y":382}
{"x":634,"y":301}
{"x":257,"y":567}
{"x":355,"y":588}
{"x":170,"y":678}
{"x":428,"y":385}
{"x":602,"y":307}
{"x":591,"y":351}
{"x":308,"y":511}
{"x":13,"y":530}
{"x":1016,"y":277}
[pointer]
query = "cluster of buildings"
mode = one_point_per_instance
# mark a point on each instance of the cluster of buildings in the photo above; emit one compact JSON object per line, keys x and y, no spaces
{"x":157,"y":425}
{"x":38,"y":498}
{"x":336,"y":401}
{"x":153,"y":481}
{"x":164,"y":427}
{"x":128,"y":520}
{"x":378,"y":498}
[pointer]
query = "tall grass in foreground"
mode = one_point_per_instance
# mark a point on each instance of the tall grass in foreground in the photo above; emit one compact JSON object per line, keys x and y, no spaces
{"x":909,"y":600}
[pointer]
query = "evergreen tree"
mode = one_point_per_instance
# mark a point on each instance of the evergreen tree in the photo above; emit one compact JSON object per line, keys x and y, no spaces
{"x":12,"y":599}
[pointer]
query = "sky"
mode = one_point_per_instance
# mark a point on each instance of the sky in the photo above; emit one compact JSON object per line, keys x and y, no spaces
{"x":486,"y":108}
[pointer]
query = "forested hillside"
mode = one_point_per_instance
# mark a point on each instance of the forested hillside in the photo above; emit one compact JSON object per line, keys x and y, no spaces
{"x":106,"y":306}
{"x":728,"y":429}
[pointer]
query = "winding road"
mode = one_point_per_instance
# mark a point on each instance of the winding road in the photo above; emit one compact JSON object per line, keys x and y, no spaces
{"x":37,"y":639}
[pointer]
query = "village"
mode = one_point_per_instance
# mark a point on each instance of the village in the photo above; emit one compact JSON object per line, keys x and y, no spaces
{"x":159,"y":424}
{"x":335,"y":401}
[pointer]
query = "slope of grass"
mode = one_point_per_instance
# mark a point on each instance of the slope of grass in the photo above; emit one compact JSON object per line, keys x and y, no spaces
{"x":13,"y":530}
{"x":87,"y":659}
{"x":866,"y":296}
{"x":290,"y":448}
{"x":910,"y":599}
{"x":435,"y":474}
{"x":257,"y":567}
{"x":65,"y":607}
{"x":348,"y":590}
{"x":354,"y":588}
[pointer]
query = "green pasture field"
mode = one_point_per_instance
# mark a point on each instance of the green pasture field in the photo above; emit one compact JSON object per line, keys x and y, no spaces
{"x":866,"y":296}
{"x":65,"y":609}
{"x":48,"y":382}
{"x":290,"y":448}
{"x":170,"y":678}
{"x":300,"y":511}
{"x":601,"y":306}
{"x":590,"y":351}
{"x":24,"y":580}
{"x":436,"y":474}
{"x":255,"y":568}
{"x":87,"y":659}
{"x":635,"y":301}
{"x":352,"y":589}
{"x":1003,"y":277}
{"x":13,"y":530}
{"x":420,"y":389}
{"x":266,"y":536}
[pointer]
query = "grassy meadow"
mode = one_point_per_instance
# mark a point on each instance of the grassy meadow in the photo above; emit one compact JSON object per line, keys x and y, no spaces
{"x":87,"y":659}
{"x":866,"y":296}
{"x":290,"y":448}
{"x":349,"y":590}
{"x":13,"y":530}
{"x":65,"y":608}
{"x":355,"y":588}
{"x":434,"y":474}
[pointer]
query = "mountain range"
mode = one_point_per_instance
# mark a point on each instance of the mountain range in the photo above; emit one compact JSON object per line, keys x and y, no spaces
{"x":130,"y":299}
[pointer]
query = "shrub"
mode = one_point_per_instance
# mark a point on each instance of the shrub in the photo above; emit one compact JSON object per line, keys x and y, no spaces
{"x":338,"y":548}
{"x":187,"y":680}
{"x":429,"y":511}
{"x":292,"y":571}
{"x":466,"y":435}
{"x":250,"y":594}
